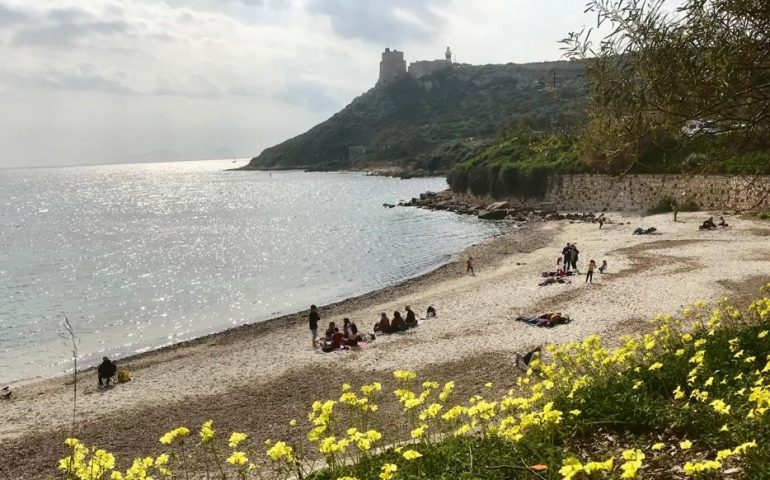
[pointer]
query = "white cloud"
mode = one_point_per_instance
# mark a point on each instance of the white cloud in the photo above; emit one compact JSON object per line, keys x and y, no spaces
{"x":86,"y":81}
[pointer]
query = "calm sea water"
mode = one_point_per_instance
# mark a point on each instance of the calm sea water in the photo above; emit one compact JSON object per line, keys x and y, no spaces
{"x":140,"y":256}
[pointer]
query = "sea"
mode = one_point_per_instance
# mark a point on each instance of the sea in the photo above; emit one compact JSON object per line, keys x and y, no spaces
{"x":141,"y":256}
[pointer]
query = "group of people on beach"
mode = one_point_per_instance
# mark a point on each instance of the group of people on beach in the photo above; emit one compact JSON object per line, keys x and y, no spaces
{"x":348,"y":336}
{"x":567,"y":263}
{"x":710,"y":225}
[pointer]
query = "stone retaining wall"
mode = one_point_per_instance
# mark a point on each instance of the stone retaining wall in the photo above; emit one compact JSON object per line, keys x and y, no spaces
{"x":641,"y":192}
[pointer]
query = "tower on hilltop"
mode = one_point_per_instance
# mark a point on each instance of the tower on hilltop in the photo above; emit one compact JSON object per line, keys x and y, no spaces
{"x":448,"y":55}
{"x":392,"y":65}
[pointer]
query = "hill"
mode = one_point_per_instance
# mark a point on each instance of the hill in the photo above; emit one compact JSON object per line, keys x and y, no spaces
{"x":430,"y":123}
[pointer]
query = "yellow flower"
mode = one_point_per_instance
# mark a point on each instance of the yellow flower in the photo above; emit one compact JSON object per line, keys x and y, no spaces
{"x":207,"y":431}
{"x":411,"y":454}
{"x":574,"y":413}
{"x":592,"y":467}
{"x":694,"y":469}
{"x":405,"y":375}
{"x":236,"y":439}
{"x":685,"y":444}
{"x":658,"y":446}
{"x":720,"y":406}
{"x":633,"y":463}
{"x":446,"y":391}
{"x":169,"y":437}
{"x":238,"y":459}
{"x":281,"y":451}
{"x":387,"y":471}
{"x":293,"y":422}
{"x":419,"y":431}
{"x":678,"y":393}
{"x":655,"y":366}
{"x":489,"y":384}
{"x":762,"y":334}
{"x":570,"y":467}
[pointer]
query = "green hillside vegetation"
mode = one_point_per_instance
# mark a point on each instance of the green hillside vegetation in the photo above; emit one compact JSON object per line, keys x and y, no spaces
{"x":517,"y":164}
{"x":431,"y":123}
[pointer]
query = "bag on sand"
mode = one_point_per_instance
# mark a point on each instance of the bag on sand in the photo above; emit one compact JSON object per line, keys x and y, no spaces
{"x":124,"y":376}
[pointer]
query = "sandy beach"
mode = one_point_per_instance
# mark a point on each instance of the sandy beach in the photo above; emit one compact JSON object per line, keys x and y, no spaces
{"x":255,"y":378}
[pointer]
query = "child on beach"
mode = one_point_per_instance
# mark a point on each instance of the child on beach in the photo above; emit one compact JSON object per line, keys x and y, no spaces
{"x":469,"y":267}
{"x":590,"y":273}
{"x":603,"y":267}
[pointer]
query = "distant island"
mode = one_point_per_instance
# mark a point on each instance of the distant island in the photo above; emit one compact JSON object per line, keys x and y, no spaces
{"x":428,"y":117}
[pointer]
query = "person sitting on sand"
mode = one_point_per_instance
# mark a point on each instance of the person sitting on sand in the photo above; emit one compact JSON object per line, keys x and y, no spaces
{"x":329,"y":332}
{"x":411,"y":318}
{"x":350,"y":332}
{"x":397,"y":324}
{"x":431,"y":312}
{"x":526,"y":359}
{"x":337,"y":339}
{"x":722,"y":222}
{"x":383,"y":326}
{"x":708,"y":224}
{"x":603,"y":267}
{"x":346,"y":327}
{"x":559,"y":269}
{"x":106,"y":371}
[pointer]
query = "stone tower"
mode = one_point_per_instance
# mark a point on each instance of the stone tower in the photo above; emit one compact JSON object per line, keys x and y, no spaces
{"x":448,"y":55}
{"x":392,"y":65}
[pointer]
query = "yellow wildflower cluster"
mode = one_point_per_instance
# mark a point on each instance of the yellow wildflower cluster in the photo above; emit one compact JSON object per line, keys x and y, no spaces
{"x":550,"y":401}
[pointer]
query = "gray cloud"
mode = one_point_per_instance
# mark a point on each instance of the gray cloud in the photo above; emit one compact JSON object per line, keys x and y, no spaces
{"x":378,"y":22}
{"x":65,"y":27}
{"x":84,"y":77}
{"x":9,"y":16}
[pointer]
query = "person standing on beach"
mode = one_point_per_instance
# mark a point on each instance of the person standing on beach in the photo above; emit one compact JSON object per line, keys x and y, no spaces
{"x":469,"y":267}
{"x":574,"y":258}
{"x":674,"y":209}
{"x":566,"y":252}
{"x":313,"y":319}
{"x":590,"y":273}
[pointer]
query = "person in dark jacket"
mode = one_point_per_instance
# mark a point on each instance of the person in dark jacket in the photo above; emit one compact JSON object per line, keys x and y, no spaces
{"x":397,"y":324}
{"x":106,"y":371}
{"x":411,"y":318}
{"x":430,"y":312}
{"x":574,"y":258}
{"x":566,"y":252}
{"x":313,"y":320}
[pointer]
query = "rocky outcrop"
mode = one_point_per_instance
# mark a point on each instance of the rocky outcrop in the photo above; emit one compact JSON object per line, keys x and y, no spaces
{"x":497,"y":211}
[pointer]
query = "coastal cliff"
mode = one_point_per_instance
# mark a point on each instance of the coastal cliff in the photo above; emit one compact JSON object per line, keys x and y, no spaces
{"x":428,"y":124}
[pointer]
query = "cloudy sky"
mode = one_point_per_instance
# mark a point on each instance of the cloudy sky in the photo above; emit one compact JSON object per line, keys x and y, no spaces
{"x":100,"y":81}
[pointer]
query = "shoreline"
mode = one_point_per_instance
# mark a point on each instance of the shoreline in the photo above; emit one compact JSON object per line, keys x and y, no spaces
{"x":260,"y":327}
{"x":255,"y":378}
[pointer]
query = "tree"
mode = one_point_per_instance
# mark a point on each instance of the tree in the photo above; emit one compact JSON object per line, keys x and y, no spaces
{"x":660,"y":66}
